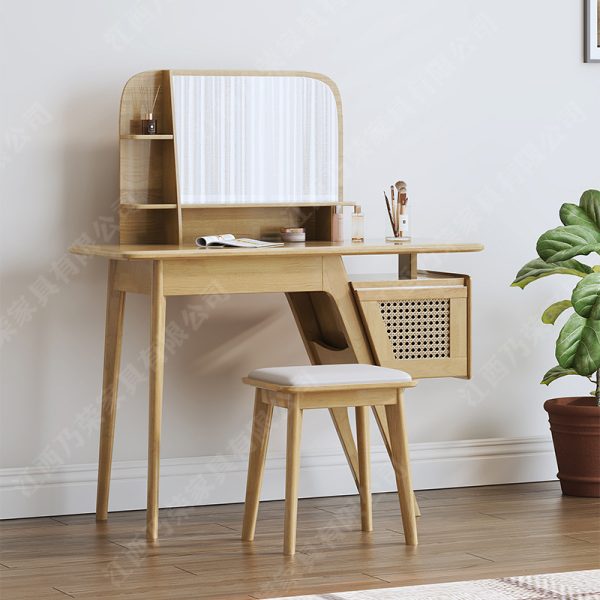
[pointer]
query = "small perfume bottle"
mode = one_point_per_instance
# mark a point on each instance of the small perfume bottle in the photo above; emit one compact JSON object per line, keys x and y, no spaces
{"x":149,"y":124}
{"x":358,"y":225}
{"x":337,"y":225}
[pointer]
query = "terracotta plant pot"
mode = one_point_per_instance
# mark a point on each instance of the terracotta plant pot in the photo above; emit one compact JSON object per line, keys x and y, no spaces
{"x":575,"y":427}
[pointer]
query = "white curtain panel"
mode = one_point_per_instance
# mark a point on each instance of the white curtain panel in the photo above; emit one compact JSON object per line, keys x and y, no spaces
{"x":255,"y":139}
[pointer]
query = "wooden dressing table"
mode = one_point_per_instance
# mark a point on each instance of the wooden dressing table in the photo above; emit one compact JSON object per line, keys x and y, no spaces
{"x":418,"y":322}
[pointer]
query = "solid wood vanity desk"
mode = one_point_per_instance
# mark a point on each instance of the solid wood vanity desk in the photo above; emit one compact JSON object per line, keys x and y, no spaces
{"x":334,"y":317}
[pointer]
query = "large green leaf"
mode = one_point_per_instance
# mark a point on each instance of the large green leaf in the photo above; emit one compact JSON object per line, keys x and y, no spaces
{"x":538,"y":268}
{"x":578,"y":345}
{"x":586,"y":297}
{"x":590,"y":202}
{"x":571,"y":214}
{"x":554,"y":311}
{"x":567,"y":242}
{"x":555,"y":373}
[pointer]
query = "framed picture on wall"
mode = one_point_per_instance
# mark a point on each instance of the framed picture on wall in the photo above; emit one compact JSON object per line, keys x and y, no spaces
{"x":592,"y":30}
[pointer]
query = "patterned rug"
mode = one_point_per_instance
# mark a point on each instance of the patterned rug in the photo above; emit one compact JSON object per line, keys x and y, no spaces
{"x":576,"y":585}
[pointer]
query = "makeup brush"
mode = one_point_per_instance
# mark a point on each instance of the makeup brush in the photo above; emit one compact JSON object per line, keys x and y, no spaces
{"x":389,"y":210}
{"x":402,"y":201}
{"x":396,"y":208}
{"x":401,"y":189}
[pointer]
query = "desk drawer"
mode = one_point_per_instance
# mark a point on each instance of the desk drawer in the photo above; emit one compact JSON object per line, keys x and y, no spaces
{"x":242,"y":274}
{"x":421,"y":326}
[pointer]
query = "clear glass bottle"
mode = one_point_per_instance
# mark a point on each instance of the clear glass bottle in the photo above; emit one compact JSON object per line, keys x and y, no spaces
{"x":358,"y":225}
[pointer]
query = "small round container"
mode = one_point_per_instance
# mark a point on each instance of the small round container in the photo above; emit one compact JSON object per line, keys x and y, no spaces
{"x":293,"y":234}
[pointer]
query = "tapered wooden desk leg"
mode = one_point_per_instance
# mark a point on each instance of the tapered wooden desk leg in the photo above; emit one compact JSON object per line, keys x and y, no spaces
{"x":261,"y":425}
{"x":115,"y":307}
{"x":401,"y":462}
{"x":292,"y":472}
{"x":364,"y":467}
{"x":335,"y":283}
{"x":157,"y":355}
{"x":380,"y":418}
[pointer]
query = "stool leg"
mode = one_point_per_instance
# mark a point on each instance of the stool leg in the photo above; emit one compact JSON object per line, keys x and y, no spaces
{"x":364,"y":467}
{"x":261,"y":425}
{"x":381,"y":420}
{"x":292,"y":469}
{"x":400,"y":460}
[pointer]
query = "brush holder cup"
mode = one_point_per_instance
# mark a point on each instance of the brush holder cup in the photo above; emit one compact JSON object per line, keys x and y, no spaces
{"x":420,"y":325}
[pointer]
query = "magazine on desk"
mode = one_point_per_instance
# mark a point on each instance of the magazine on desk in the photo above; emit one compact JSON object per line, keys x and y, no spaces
{"x":228,"y":240}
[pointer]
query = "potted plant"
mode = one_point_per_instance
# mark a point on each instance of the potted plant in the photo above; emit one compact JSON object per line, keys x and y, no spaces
{"x":574,"y":421}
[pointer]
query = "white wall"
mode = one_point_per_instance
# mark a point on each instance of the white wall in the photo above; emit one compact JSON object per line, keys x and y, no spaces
{"x":484,"y":107}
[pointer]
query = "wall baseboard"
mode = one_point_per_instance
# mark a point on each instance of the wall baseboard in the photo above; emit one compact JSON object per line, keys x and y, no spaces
{"x":71,"y":489}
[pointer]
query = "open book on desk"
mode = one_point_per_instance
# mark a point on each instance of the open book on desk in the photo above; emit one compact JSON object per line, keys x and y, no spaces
{"x":229,"y":240}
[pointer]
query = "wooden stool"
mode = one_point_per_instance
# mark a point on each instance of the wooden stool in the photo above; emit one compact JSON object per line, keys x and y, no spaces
{"x":327,"y":386}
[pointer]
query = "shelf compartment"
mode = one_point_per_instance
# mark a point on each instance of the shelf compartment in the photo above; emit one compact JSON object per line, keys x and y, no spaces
{"x":148,"y":226}
{"x":255,"y":222}
{"x":147,"y":174}
{"x":421,"y":325}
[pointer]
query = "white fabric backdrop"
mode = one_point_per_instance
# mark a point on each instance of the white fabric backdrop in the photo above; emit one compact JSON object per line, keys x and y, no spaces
{"x":255,"y":139}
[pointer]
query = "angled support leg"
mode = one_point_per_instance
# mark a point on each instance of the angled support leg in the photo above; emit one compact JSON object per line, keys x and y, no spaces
{"x":335,"y":283}
{"x":341,"y":422}
{"x":261,"y":426}
{"x":157,"y":358}
{"x":115,"y":308}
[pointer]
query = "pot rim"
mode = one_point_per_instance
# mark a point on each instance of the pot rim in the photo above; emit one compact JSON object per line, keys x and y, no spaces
{"x":566,"y":406}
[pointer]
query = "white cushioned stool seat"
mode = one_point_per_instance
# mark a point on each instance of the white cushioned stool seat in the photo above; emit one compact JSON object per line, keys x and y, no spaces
{"x":319,"y":375}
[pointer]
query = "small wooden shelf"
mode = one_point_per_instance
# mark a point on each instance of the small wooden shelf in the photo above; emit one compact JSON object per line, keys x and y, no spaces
{"x":269,"y":205}
{"x":156,"y":136}
{"x":141,"y":206}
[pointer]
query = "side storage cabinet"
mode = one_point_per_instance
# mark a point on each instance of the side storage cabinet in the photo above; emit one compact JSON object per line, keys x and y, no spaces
{"x":421,"y":326}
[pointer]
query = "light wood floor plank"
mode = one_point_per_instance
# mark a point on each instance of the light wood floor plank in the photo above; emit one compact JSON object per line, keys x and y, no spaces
{"x":468,"y":533}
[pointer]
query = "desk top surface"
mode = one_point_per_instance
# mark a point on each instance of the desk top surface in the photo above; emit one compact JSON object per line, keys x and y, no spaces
{"x":347,"y":248}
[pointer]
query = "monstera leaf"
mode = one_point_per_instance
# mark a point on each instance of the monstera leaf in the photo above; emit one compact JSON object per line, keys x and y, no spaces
{"x":586,"y":297}
{"x":537,"y":268}
{"x":578,"y":345}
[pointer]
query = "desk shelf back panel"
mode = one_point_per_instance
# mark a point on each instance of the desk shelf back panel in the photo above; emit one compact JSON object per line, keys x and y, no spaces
{"x":151,"y":211}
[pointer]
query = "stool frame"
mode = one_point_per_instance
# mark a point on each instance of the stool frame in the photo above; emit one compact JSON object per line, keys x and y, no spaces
{"x":296,"y":399}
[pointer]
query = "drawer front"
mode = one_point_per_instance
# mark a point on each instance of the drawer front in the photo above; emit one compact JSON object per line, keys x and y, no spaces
{"x":420,"y":326}
{"x":247,"y":274}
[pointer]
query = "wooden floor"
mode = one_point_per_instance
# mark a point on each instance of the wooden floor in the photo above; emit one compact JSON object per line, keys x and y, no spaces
{"x":467,"y":533}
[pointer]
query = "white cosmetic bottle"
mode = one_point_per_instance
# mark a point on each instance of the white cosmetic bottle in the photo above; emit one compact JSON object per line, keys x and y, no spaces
{"x":337,"y":225}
